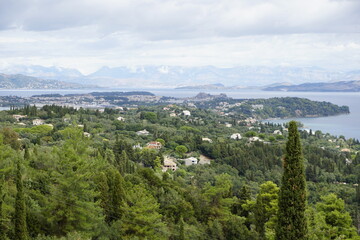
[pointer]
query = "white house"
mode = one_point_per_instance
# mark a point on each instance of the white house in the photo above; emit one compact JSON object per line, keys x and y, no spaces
{"x":236,"y":136}
{"x":255,"y":139}
{"x":257,"y":106}
{"x":86,"y":134}
{"x":186,"y":113}
{"x":172,"y":114}
{"x":143,"y":133}
{"x":137,"y":146}
{"x":277,"y":132}
{"x":190,"y":161}
{"x":121,"y":119}
{"x":38,"y":122}
{"x":207,"y":140}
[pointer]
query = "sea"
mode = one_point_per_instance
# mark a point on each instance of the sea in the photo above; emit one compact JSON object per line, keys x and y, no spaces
{"x":347,"y":125}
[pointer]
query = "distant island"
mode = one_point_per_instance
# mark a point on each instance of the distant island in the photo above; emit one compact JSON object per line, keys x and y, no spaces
{"x":284,"y":107}
{"x":343,"y":86}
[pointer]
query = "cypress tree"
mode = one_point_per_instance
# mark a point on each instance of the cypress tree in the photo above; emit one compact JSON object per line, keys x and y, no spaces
{"x":292,"y":223}
{"x":26,"y":153}
{"x":2,"y":218}
{"x":20,"y":211}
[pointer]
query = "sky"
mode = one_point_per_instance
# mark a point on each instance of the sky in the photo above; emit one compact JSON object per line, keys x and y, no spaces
{"x":88,"y":34}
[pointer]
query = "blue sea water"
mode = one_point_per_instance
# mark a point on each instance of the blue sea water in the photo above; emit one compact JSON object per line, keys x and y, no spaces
{"x":347,"y":125}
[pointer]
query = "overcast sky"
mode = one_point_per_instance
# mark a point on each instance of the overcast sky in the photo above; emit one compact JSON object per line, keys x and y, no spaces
{"x":87,"y":34}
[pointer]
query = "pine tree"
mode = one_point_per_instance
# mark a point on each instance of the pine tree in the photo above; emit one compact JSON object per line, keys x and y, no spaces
{"x":20,"y":211}
{"x":292,"y":223}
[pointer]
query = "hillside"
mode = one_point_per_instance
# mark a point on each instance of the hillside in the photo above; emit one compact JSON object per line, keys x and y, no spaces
{"x":198,"y":176}
{"x":19,"y":81}
{"x":343,"y":86}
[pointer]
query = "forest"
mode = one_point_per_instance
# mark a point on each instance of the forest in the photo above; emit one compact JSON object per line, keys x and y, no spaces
{"x":125,"y":174}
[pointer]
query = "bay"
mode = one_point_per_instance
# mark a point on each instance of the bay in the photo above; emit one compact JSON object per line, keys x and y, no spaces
{"x":347,"y":125}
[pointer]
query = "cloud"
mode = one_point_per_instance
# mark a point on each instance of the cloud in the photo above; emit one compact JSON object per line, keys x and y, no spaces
{"x":181,"y":19}
{"x":86,"y":34}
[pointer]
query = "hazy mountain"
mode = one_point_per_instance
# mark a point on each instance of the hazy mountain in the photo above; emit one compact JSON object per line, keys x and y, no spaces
{"x":176,"y":76}
{"x":343,"y":86}
{"x":55,"y":73}
{"x":14,"y":81}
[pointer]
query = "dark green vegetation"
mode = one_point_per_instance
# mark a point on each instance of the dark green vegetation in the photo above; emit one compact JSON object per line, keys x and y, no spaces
{"x":87,"y":177}
{"x":291,"y":222}
{"x":286,"y":107}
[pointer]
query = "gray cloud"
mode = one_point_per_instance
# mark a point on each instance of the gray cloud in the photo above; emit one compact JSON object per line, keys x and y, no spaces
{"x":86,"y":34}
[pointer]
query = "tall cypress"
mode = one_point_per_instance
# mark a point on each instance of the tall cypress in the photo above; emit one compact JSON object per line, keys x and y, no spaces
{"x":20,"y":211}
{"x":2,"y":220}
{"x":292,"y":223}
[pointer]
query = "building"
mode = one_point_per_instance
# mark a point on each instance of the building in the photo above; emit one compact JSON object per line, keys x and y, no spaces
{"x":190,"y":161}
{"x":207,"y":140}
{"x":137,"y":146}
{"x":236,"y":136}
{"x":169,"y":164}
{"x":255,"y":139}
{"x":172,"y":114}
{"x":18,"y":117}
{"x":154,"y":145}
{"x":143,"y":133}
{"x":38,"y":122}
{"x":345,"y":150}
{"x":121,"y":119}
{"x":87,"y":134}
{"x":257,"y":106}
{"x":186,"y":113}
{"x":277,"y":132}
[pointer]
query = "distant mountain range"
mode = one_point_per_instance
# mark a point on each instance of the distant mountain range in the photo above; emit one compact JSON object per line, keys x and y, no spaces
{"x":343,"y":86}
{"x":16,"y":81}
{"x":176,"y":76}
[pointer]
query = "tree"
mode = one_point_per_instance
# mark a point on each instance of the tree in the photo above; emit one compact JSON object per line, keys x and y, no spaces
{"x":292,"y":223}
{"x":2,"y":218}
{"x":338,"y":220}
{"x":20,"y":211}
{"x":112,"y":194}
{"x":181,"y":150}
{"x":10,"y":137}
{"x":265,"y":209}
{"x":141,"y":219}
{"x":26,"y":153}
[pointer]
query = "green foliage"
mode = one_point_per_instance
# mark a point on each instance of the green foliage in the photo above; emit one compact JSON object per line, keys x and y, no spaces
{"x":20,"y":209}
{"x":250,"y":134}
{"x":108,"y":187}
{"x":141,"y":218}
{"x":292,"y":198}
{"x":265,"y":210}
{"x":181,"y":150}
{"x":150,"y":116}
{"x":337,"y":219}
{"x":41,"y":129}
{"x":10,"y":137}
